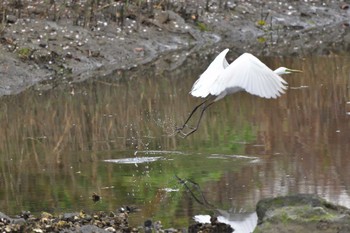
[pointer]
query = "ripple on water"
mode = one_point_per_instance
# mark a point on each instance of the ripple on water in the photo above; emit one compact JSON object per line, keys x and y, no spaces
{"x":143,"y":159}
{"x":148,"y":152}
{"x":135,"y":160}
{"x":253,"y":159}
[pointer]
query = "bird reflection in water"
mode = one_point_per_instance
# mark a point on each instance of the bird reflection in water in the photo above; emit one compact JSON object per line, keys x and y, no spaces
{"x":241,"y":222}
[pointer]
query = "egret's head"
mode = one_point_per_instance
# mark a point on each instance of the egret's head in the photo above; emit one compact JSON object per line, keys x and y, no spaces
{"x":284,"y":70}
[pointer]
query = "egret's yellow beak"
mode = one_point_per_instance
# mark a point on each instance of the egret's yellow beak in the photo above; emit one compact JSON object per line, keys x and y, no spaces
{"x":294,"y":71}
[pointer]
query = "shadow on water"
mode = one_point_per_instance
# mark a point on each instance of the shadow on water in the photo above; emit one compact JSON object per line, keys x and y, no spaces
{"x":111,"y":136}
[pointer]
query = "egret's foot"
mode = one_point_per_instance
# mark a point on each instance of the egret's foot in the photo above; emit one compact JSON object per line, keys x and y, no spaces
{"x":181,"y":135}
{"x":179,"y":130}
{"x":189,"y":133}
{"x":184,"y":126}
{"x":184,"y":135}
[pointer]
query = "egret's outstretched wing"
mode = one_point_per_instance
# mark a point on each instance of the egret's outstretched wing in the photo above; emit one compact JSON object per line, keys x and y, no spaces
{"x":250,"y":74}
{"x":201,"y":88}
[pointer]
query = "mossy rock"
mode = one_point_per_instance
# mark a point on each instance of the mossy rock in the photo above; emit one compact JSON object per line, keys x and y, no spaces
{"x":301,"y":213}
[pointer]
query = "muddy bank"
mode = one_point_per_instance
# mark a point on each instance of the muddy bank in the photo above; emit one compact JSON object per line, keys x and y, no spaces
{"x":64,"y":43}
{"x":95,"y":222}
{"x":294,"y":213}
{"x":68,"y":222}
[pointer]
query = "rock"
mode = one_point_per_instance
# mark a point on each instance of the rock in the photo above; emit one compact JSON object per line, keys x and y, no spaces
{"x":158,"y":226}
{"x":46,"y":215}
{"x":37,"y":230}
{"x":210,"y":228}
{"x":92,"y":229}
{"x":11,"y":18}
{"x":19,"y":221}
{"x":24,"y":215}
{"x":110,"y":229}
{"x":162,"y":17}
{"x":69,"y":216}
{"x":301,"y":213}
{"x":148,"y":226}
{"x":4,"y":216}
{"x":95,"y":197}
{"x":171,"y":230}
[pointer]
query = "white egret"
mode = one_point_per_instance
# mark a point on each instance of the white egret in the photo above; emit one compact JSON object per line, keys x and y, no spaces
{"x":246,"y":73}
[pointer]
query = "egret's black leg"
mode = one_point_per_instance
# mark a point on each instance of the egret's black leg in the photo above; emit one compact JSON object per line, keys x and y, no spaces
{"x":196,"y":189}
{"x":191,"y":114}
{"x":199,"y":120}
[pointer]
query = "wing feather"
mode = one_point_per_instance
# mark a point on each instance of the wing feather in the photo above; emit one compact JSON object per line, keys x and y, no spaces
{"x":250,"y":74}
{"x":201,"y":88}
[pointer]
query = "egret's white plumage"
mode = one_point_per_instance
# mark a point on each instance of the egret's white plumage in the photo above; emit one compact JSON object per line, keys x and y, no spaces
{"x":246,"y":73}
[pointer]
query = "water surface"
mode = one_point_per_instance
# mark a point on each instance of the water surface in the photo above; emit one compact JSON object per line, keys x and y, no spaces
{"x":112,"y":136}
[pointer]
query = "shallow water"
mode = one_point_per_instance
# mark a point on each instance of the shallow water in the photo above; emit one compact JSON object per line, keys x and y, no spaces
{"x":113,"y":136}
